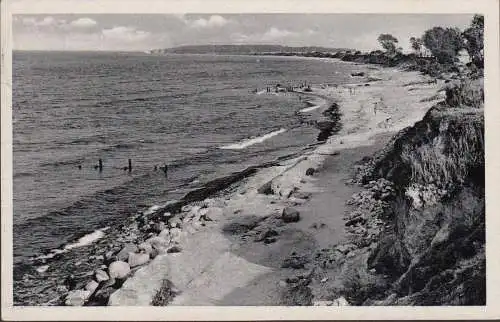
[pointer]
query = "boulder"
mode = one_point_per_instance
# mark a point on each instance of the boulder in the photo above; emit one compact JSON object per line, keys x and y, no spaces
{"x":145,"y":248}
{"x":290,"y":215}
{"x":135,"y":259}
{"x":153,"y":254}
{"x":310,"y":171}
{"x":174,"y":249}
{"x":101,"y":276}
{"x":91,"y":286}
{"x":175,"y":234}
{"x":109,"y":257}
{"x":266,"y":188}
{"x":77,"y":298}
{"x":165,"y":234}
{"x":119,"y":269}
{"x":158,"y":243}
{"x":123,"y":254}
{"x":101,"y":296}
{"x":158,"y":227}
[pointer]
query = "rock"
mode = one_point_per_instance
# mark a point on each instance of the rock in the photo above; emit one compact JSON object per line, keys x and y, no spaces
{"x":123,"y":254}
{"x":266,"y":234}
{"x":145,"y":248}
{"x":296,"y":201}
{"x":341,"y":301}
{"x":175,"y":222}
{"x":186,"y":208}
{"x":91,"y":286}
{"x":197,"y":225}
{"x":242,"y":224}
{"x":270,"y":240}
{"x":175,"y":235}
{"x":101,"y":276}
{"x":290,"y":215}
{"x":119,"y":269}
{"x":76,"y":298}
{"x":295,"y":261}
{"x":302,"y":194}
{"x":158,"y":243}
{"x":358,"y":74}
{"x":167,"y":215}
{"x":343,"y":249}
{"x":323,"y":280}
{"x":266,"y":188}
{"x":153,"y":254}
{"x":282,"y":283}
{"x":158,"y":227}
{"x":101,"y":296}
{"x":355,"y":221}
{"x":310,"y":171}
{"x":165,"y":234}
{"x":135,"y":259}
{"x":174,"y":249}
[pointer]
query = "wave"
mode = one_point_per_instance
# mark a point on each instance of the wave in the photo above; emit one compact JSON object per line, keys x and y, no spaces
{"x":42,"y":269}
{"x":310,"y":108}
{"x":249,"y":142}
{"x":82,"y":241}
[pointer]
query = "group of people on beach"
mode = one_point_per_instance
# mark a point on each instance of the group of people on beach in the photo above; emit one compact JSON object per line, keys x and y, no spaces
{"x":291,"y":88}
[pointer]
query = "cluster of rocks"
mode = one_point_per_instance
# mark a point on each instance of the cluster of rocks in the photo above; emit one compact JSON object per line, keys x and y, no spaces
{"x":141,"y":242}
{"x":364,"y":223}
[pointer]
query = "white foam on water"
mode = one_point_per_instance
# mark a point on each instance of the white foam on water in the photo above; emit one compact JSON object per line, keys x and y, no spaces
{"x":82,"y":241}
{"x":151,"y":209}
{"x":86,"y":240}
{"x":310,"y":108}
{"x":261,"y":92}
{"x":248,"y":142}
{"x":42,"y":269}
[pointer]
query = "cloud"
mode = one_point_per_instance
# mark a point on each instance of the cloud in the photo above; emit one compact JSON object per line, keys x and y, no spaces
{"x":83,"y":23}
{"x":123,"y":33}
{"x":33,"y":22}
{"x":212,"y":22}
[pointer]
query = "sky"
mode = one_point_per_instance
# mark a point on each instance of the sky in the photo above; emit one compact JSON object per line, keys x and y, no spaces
{"x":141,"y":32}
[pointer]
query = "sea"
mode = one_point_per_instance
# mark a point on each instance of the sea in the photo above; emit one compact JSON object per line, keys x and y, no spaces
{"x":204,"y":116}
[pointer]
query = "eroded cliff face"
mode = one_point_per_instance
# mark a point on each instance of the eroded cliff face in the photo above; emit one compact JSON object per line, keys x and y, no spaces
{"x":432,"y":250}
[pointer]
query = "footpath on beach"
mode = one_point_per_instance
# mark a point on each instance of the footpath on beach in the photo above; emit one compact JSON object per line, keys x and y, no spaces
{"x":245,"y":245}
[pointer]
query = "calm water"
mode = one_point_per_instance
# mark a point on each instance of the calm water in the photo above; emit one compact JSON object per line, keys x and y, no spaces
{"x":70,"y":109}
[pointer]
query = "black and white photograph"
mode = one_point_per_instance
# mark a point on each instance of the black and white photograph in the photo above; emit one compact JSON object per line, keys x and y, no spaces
{"x":253,"y":159}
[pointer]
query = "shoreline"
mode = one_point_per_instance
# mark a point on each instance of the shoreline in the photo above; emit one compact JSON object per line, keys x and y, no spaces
{"x":246,"y":200}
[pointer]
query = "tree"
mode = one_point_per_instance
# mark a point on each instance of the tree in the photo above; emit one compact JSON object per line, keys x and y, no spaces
{"x":388,"y":42}
{"x":444,"y":44}
{"x":474,"y":40}
{"x":416,"y":45}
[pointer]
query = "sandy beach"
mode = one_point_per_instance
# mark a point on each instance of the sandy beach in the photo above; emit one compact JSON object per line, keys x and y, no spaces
{"x":237,"y":255}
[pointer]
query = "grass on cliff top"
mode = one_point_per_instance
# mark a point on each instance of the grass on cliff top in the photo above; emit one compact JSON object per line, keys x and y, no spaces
{"x":450,"y":157}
